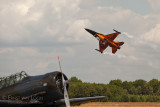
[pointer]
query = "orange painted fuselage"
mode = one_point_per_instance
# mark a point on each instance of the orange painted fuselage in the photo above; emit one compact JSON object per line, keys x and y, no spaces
{"x":111,"y":43}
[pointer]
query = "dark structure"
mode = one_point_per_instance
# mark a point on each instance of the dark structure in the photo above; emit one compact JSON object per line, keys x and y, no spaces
{"x":23,"y":90}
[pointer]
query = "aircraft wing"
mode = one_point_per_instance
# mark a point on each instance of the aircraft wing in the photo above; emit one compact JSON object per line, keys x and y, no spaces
{"x":102,"y":46}
{"x":74,"y":101}
{"x":112,"y":36}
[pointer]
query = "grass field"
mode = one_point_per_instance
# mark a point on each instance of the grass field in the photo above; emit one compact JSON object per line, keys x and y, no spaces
{"x":120,"y":104}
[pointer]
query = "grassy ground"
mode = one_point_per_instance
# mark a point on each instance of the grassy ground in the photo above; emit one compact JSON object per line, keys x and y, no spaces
{"x":120,"y":104}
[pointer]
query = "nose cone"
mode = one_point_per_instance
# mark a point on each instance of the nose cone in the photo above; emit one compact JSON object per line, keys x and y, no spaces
{"x":59,"y":82}
{"x":91,"y":31}
{"x":86,"y":29}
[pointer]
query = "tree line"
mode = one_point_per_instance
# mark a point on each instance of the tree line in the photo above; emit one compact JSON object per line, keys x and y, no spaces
{"x":117,"y":91}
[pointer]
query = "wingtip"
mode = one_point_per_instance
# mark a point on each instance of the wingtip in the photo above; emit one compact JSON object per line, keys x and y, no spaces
{"x":116,"y":31}
{"x":98,"y":51}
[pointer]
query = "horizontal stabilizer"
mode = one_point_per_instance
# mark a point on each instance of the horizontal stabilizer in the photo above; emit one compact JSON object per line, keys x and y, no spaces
{"x":121,"y":43}
{"x":114,"y":50}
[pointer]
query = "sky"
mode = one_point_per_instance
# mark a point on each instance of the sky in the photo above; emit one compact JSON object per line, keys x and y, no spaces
{"x":34,"y":32}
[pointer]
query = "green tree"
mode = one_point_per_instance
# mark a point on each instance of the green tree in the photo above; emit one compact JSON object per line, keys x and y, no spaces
{"x":139,"y":82}
{"x":129,"y":87}
{"x":125,"y":98}
{"x":141,"y":86}
{"x":154,"y":83}
{"x":118,"y":91}
{"x":117,"y":82}
{"x":134,"y":98}
{"x":74,"y":79}
{"x":147,"y":90}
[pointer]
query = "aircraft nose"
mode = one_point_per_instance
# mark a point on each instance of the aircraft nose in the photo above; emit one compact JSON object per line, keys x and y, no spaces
{"x":90,"y":31}
{"x":87,"y":29}
{"x":59,"y":82}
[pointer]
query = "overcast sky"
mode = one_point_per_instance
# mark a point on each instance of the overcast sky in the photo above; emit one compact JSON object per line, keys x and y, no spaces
{"x":34,"y":32}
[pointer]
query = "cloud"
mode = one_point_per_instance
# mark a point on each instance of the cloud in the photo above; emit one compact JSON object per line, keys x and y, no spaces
{"x":32,"y":59}
{"x":34,"y":21}
{"x":127,"y":35}
{"x":5,"y":50}
{"x":143,"y":40}
{"x":34,"y":32}
{"x":121,"y":56}
{"x":152,"y":35}
{"x":154,"y":5}
{"x":154,"y":65}
{"x":75,"y":32}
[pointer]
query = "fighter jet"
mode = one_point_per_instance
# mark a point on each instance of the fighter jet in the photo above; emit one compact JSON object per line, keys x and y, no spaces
{"x":50,"y":89}
{"x":106,"y":40}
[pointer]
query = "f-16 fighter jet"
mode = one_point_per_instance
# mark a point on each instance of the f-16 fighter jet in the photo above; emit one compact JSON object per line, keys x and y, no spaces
{"x":107,"y":40}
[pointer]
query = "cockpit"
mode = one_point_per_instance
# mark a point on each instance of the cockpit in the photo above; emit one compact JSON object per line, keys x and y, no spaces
{"x":12,"y":79}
